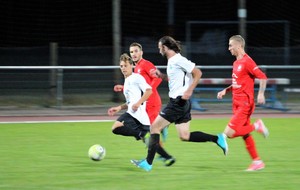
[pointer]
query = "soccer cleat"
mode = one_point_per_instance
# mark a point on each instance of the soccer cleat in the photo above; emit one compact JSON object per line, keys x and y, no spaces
{"x":256,"y":165}
{"x":167,"y":162}
{"x":164,"y":134}
{"x":170,"y":161}
{"x":221,"y":142}
{"x":143,"y":164}
{"x":261,"y":128}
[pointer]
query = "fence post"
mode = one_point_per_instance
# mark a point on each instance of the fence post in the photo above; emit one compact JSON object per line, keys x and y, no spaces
{"x":52,"y":73}
{"x":59,"y":92}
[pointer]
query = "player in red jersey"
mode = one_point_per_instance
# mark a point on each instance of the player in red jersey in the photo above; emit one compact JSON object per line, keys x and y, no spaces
{"x":153,"y":106}
{"x":145,"y":68}
{"x":244,"y":73}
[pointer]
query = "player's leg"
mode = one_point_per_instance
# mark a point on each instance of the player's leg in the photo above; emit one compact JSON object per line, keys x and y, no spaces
{"x":240,"y":121}
{"x":165,"y":156}
{"x":240,"y":125}
{"x":155,"y":136}
{"x":198,"y":136}
{"x":257,"y":163}
{"x":156,"y":127}
{"x":153,"y":112}
{"x":182,"y":124}
{"x":126,"y":125}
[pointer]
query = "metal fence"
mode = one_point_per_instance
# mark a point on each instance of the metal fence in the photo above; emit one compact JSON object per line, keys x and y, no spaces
{"x":58,"y":85}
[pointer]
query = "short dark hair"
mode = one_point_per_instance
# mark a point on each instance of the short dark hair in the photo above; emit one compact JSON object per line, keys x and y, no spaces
{"x":136,"y":44}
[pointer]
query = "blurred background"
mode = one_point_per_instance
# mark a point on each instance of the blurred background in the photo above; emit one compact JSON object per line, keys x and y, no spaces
{"x":44,"y":44}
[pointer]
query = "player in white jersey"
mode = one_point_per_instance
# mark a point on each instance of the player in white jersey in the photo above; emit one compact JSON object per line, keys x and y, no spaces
{"x":135,"y":121}
{"x":183,"y":76}
{"x":134,"y":86}
{"x":180,"y":78}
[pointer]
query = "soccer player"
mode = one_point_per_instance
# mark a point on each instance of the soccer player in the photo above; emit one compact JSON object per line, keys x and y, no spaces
{"x":154,"y":104}
{"x":183,"y":77}
{"x":135,"y":121}
{"x":244,"y":73}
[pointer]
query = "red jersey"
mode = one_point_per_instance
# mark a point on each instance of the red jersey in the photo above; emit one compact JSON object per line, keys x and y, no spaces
{"x":144,"y":68}
{"x":244,"y":73}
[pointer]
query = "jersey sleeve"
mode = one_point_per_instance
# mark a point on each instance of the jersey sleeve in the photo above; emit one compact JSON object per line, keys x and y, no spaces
{"x":155,"y":82}
{"x":187,"y":65}
{"x":255,"y":70}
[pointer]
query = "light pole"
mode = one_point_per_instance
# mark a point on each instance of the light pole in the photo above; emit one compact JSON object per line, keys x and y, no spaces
{"x":242,"y":15}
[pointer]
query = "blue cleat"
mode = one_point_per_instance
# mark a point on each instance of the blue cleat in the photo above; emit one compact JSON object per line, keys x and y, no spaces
{"x":221,"y":142}
{"x":143,"y":164}
{"x":164,"y":134}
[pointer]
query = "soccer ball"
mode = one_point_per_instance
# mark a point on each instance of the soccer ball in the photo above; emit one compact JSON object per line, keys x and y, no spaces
{"x":96,"y":152}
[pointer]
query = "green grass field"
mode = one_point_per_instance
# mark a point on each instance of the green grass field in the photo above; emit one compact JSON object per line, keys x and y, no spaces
{"x":53,"y":156}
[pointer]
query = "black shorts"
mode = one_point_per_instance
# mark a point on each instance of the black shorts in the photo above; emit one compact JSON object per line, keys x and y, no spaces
{"x":131,"y":122}
{"x":177,"y":111}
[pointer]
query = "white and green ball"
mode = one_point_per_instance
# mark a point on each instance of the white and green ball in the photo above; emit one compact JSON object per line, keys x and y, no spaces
{"x":97,"y":152}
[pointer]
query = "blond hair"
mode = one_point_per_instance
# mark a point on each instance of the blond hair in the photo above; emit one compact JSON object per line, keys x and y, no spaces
{"x":239,"y":39}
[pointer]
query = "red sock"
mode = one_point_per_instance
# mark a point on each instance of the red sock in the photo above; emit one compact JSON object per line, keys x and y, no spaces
{"x":250,"y":146}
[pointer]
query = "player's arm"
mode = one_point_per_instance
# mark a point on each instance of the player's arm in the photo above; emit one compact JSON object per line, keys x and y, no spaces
{"x":261,"y":91}
{"x":118,"y":88}
{"x":224,"y":91}
{"x":113,"y":110}
{"x":197,"y":73}
{"x":145,"y":96}
{"x":258,"y":73}
{"x":158,"y":74}
{"x":155,"y":79}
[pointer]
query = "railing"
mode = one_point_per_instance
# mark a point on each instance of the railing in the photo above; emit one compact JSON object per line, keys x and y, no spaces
{"x":60,"y":73}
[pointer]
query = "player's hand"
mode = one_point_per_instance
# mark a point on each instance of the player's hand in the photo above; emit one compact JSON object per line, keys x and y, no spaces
{"x":261,"y":99}
{"x":135,"y":107}
{"x":221,"y":94}
{"x":111,"y":111}
{"x":118,"y":88}
{"x":154,"y":73}
{"x":186,"y":95}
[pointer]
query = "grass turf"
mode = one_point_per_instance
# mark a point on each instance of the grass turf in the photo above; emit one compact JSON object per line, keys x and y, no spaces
{"x":54,"y":156}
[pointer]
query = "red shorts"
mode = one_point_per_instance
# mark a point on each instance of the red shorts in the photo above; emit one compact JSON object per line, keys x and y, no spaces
{"x":152,"y":112}
{"x":242,"y":107}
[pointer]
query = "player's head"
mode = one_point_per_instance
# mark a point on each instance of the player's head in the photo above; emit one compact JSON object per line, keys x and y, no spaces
{"x":168,"y":43}
{"x":236,"y":45}
{"x":126,"y":64}
{"x":136,"y":52}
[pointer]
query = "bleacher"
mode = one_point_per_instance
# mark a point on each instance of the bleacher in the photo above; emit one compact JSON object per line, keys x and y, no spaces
{"x":272,"y":102}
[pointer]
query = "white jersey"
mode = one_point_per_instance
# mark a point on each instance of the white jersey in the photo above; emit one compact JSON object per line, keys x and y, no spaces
{"x":134,"y":87}
{"x":179,"y":74}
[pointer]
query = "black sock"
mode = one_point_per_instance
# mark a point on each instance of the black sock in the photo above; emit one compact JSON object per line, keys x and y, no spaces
{"x":161,"y":151}
{"x":198,"y":136}
{"x":127,"y":131}
{"x":153,"y":145}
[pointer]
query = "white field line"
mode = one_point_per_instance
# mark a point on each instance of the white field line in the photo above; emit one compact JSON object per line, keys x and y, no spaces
{"x":62,"y":121}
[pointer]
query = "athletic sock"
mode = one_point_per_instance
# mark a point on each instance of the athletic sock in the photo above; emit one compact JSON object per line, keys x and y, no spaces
{"x":198,"y":136}
{"x":162,"y":152}
{"x":127,"y":131}
{"x":250,"y":146}
{"x":153,"y":145}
